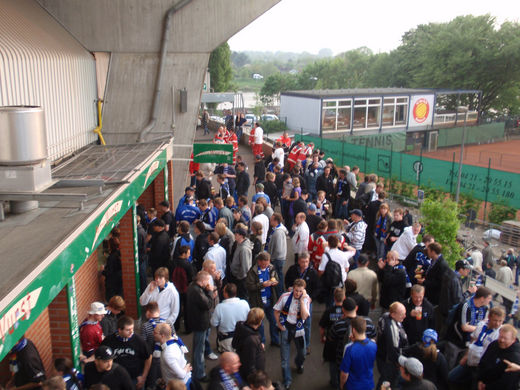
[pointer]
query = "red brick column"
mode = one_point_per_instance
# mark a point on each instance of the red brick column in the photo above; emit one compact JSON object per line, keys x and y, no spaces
{"x":59,"y":325}
{"x":158,"y":189}
{"x":147,"y":197}
{"x":128,"y":263}
{"x":170,"y":183}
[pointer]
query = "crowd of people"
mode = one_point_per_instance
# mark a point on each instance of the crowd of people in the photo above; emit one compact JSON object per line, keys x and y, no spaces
{"x":219,"y":263}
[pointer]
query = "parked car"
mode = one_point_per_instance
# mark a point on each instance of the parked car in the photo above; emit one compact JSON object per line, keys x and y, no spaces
{"x":269,"y":117}
{"x":251,"y":119}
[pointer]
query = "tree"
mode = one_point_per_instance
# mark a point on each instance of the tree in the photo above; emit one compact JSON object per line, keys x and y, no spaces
{"x":220,"y":68}
{"x":441,"y":219}
{"x":276,"y":83}
{"x":239,"y":59}
{"x":467,"y":53}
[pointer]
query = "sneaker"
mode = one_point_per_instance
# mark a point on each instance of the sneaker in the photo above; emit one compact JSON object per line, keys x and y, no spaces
{"x":212,"y":356}
{"x":287,"y":386}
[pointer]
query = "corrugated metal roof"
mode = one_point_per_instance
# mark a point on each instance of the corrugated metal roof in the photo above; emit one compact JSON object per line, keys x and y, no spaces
{"x":332,"y":93}
{"x":41,"y":64}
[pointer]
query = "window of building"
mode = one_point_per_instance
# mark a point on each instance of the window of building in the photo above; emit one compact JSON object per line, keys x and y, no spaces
{"x":367,"y":113}
{"x":394,"y":111}
{"x":336,"y":115}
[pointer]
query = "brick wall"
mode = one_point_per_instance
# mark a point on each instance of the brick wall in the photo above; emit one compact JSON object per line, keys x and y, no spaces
{"x":59,"y":325}
{"x":40,"y":334}
{"x":127,"y":263}
{"x":158,"y":185}
{"x":88,"y":286}
{"x":147,"y":197}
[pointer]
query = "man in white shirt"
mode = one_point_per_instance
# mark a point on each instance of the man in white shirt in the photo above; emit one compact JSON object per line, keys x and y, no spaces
{"x":338,"y":256}
{"x":226,"y":315}
{"x":300,"y":238}
{"x":217,"y":254}
{"x":278,"y":152}
{"x":172,"y":350}
{"x":262,"y":218}
{"x":291,"y":311}
{"x":165,"y":294}
{"x":258,"y":141}
{"x":407,"y":241}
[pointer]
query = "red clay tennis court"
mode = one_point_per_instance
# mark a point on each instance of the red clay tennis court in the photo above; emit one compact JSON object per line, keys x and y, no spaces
{"x":505,"y":156}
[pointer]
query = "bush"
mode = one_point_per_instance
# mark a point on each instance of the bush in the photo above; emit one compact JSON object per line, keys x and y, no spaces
{"x":501,"y":212}
{"x":468,"y":202}
{"x":441,"y":219}
{"x":273,"y":126}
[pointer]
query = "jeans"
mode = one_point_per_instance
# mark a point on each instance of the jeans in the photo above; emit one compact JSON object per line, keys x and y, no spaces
{"x":199,"y":341}
{"x":307,"y":327}
{"x":380,"y":248}
{"x":463,"y":376}
{"x":206,"y":130}
{"x":278,"y":266}
{"x":207,"y":344}
{"x":273,"y":330}
{"x":285,"y":353}
{"x":341,"y":210}
{"x":334,"y":374}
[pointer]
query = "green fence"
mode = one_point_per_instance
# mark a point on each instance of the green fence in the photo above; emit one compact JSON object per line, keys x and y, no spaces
{"x":474,"y":134}
{"x":491,"y":185}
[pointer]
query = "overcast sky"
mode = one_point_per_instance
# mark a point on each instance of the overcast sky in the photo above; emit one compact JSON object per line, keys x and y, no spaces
{"x":342,"y":25}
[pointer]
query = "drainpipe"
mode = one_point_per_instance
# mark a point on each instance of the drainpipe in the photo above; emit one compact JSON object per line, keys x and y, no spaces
{"x":97,"y":130}
{"x":164,"y":46}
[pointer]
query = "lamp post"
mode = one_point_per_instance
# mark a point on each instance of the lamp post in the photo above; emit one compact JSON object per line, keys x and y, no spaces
{"x":465,"y":110}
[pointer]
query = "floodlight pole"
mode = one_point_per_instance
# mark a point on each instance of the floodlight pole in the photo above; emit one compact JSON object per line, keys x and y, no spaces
{"x":457,"y":193}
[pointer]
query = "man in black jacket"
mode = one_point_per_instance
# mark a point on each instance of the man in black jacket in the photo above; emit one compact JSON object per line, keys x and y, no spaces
{"x":199,"y":301}
{"x":259,"y":174}
{"x":325,"y":183}
{"x":491,"y":371}
{"x":202,"y":187}
{"x":159,"y":246}
{"x":103,"y":370}
{"x":452,"y":291}
{"x":419,"y":314}
{"x":432,"y":280}
{"x":418,"y":257}
{"x":242,"y":182}
{"x":248,"y":344}
{"x":270,"y":188}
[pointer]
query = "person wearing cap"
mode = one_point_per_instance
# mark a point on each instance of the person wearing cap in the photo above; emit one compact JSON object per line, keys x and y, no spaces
{"x":435,"y":366}
{"x":226,"y":315}
{"x":90,"y":331}
{"x":104,"y":371}
{"x":357,"y":365}
{"x":391,"y":340}
{"x":356,"y":231}
{"x":452,"y":287}
{"x":487,"y":331}
{"x":159,"y":254}
{"x":411,"y":371}
{"x":241,"y":262}
{"x":130,"y":351}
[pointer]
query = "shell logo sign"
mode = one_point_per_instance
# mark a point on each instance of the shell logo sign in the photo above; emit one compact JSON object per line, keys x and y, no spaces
{"x":421,"y":109}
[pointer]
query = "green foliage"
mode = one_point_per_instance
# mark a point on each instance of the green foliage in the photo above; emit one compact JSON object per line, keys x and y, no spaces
{"x":220,"y":68}
{"x":258,"y":109}
{"x":408,"y":190}
{"x":501,"y":212}
{"x":433,"y":193}
{"x":275,"y":84}
{"x":395,"y":186}
{"x":273,"y":126}
{"x":441,"y":219}
{"x":468,"y":202}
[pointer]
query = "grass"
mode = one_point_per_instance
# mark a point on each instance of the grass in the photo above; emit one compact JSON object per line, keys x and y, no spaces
{"x":248,"y":84}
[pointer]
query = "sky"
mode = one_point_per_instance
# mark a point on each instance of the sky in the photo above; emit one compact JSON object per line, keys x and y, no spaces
{"x":342,"y":25}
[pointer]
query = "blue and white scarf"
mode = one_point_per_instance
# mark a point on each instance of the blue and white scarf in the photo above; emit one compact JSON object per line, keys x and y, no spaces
{"x":300,"y":331}
{"x":230,"y":382}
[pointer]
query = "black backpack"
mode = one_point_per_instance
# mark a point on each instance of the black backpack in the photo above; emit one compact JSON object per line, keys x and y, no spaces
{"x":332,"y":276}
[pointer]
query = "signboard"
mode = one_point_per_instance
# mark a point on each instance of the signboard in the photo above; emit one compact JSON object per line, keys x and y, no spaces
{"x":213,"y":153}
{"x":14,"y":319}
{"x":421,"y":110}
{"x":73,"y":322}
